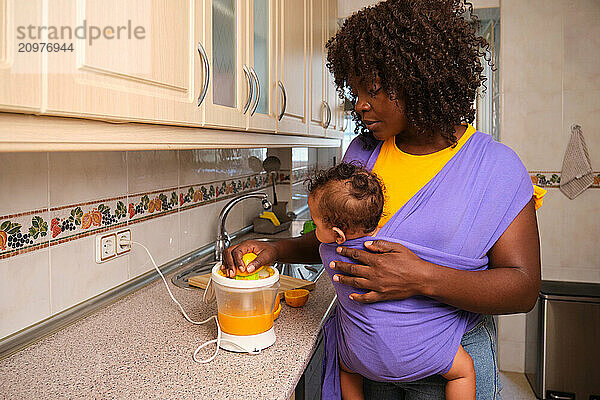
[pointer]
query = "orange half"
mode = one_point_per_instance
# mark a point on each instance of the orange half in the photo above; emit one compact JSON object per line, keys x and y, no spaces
{"x":246,"y":258}
{"x":296,"y":297}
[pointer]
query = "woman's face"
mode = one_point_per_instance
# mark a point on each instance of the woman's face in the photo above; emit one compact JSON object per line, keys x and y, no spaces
{"x":381,"y":115}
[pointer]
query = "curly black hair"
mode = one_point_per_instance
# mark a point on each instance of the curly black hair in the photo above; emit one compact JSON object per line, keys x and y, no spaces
{"x":424,"y":52}
{"x":352,"y":196}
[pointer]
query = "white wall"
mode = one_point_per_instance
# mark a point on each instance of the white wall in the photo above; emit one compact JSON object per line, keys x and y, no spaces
{"x":550,"y":50}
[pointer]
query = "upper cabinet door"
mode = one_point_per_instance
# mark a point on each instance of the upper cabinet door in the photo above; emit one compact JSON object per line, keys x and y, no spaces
{"x":261,"y":55}
{"x":230,"y":82}
{"x":319,"y":112}
{"x":292,"y":66}
{"x":135,"y":60}
{"x":20,"y":56}
{"x":335,"y":128}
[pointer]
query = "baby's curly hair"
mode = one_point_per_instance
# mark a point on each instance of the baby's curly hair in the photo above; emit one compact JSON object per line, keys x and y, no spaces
{"x":352,"y":197}
{"x":424,"y":52}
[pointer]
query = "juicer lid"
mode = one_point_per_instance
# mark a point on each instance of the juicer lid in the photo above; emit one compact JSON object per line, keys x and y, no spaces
{"x":243,"y":284}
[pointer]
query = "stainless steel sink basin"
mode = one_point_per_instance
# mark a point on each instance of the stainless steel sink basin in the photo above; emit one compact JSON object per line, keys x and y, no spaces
{"x":310,"y":272}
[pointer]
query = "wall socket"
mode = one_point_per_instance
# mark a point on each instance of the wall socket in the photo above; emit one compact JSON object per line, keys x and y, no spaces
{"x":108,"y":245}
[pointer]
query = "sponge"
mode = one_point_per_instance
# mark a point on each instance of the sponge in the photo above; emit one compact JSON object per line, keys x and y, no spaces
{"x":271,"y":217}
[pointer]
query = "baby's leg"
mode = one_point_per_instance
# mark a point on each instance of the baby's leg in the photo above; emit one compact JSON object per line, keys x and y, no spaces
{"x":461,"y":377}
{"x":351,"y":384}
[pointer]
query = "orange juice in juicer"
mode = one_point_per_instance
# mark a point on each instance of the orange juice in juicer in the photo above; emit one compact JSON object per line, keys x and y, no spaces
{"x":245,"y":309}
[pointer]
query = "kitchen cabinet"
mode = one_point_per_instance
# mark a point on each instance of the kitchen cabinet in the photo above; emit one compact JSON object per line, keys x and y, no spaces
{"x":145,"y":66}
{"x":319,"y":109}
{"x":325,"y":111}
{"x":240,"y":65}
{"x":335,"y":127}
{"x":225,"y":38}
{"x":20,"y":66}
{"x":261,"y":60}
{"x":292,"y":63}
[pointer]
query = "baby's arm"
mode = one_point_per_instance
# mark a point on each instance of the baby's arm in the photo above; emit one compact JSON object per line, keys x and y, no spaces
{"x":461,"y":377}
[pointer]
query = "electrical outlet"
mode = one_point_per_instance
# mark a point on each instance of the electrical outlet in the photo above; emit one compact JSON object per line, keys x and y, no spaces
{"x":123,"y":248}
{"x":106,"y":247}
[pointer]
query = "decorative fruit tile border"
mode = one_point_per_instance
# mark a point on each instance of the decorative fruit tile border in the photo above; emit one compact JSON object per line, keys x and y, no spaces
{"x":551,"y":179}
{"x":143,"y":206}
{"x":22,"y":233}
{"x":84,"y":219}
{"x":29,"y":231}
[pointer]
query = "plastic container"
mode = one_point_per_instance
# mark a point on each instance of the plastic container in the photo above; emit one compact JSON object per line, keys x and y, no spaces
{"x":245,"y":307}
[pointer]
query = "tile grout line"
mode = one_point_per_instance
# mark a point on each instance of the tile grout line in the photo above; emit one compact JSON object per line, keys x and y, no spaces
{"x":50,"y":294}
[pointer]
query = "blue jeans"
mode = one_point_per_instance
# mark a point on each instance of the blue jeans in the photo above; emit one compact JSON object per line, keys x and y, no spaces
{"x":480,"y":342}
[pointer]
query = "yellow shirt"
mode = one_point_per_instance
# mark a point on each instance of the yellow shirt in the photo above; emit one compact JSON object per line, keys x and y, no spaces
{"x":403,"y":174}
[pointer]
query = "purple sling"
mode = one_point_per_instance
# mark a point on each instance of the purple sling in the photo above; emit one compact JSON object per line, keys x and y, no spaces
{"x":452,"y":221}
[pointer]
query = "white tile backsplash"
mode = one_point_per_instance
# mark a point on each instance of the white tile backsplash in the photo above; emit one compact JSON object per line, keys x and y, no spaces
{"x":531,"y":45}
{"x":16,"y":169}
{"x":198,"y":227}
{"x":75,"y":276}
{"x":86,"y":176}
{"x":161,"y":236}
{"x":582,"y":45}
{"x":533,"y":128}
{"x":152,"y":170}
{"x":197,"y":166}
{"x":24,"y":291}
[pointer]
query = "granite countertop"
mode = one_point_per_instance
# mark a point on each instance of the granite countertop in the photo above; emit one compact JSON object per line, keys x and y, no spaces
{"x":141,"y":347}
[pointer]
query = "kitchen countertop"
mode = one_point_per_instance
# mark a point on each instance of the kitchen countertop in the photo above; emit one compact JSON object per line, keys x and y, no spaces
{"x":141,"y":347}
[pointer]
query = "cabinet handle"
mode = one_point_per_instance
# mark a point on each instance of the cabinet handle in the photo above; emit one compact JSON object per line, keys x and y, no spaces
{"x":284,"y":100}
{"x":206,"y":73}
{"x":255,"y":77}
{"x":559,"y":397}
{"x":250,"y":88}
{"x":327,"y":120}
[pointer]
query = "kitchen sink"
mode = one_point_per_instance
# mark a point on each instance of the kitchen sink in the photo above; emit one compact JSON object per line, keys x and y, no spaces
{"x":309,"y":272}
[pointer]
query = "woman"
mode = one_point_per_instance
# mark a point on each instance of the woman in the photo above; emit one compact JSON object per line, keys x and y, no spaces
{"x":453,"y":195}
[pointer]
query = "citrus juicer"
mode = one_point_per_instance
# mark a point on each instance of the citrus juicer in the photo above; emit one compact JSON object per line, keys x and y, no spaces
{"x":244,"y":309}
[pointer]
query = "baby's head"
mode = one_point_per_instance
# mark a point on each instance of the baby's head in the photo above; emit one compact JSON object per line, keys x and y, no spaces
{"x":346,"y":202}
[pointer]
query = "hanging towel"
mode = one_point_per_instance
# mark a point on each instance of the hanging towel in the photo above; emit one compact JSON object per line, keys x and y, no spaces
{"x":576,"y":175}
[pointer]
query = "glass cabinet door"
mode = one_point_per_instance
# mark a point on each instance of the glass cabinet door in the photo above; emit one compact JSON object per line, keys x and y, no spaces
{"x":261,"y":61}
{"x":224,"y":45}
{"x":224,"y":39}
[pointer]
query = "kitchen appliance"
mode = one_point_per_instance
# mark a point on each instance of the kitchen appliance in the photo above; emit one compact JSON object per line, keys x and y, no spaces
{"x":285,"y":283}
{"x":245,"y":309}
{"x":562,"y":355}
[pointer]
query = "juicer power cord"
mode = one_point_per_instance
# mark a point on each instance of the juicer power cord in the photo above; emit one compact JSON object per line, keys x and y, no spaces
{"x":218,"y":340}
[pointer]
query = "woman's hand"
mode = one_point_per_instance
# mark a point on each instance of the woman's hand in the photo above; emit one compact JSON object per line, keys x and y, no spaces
{"x":391,"y":272}
{"x":266,"y":254}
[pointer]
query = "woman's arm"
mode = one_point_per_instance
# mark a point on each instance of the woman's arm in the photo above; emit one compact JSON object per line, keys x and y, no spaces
{"x":510,"y":285}
{"x":300,"y":249}
{"x":512,"y":282}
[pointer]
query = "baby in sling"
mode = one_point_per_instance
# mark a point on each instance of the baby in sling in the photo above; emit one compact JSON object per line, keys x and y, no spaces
{"x":391,"y":340}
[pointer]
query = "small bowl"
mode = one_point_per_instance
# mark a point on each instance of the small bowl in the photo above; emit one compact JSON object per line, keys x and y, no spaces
{"x":296,"y":297}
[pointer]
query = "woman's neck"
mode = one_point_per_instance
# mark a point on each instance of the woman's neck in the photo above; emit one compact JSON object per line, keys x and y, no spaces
{"x":417,"y":144}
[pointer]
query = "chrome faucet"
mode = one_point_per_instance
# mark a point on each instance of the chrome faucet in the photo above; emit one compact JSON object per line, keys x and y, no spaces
{"x":223,"y":240}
